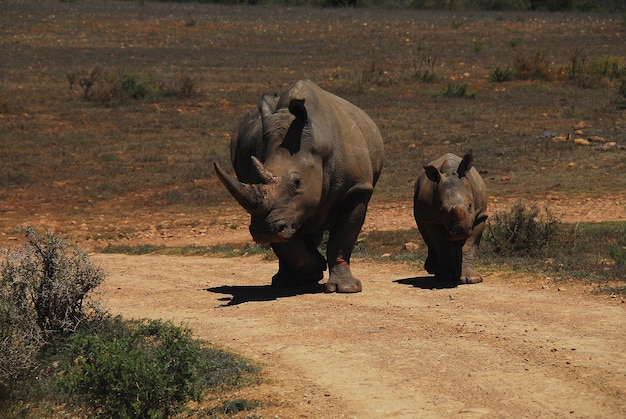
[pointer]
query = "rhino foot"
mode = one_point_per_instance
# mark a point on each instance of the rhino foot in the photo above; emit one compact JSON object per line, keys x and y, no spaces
{"x":470,"y":276}
{"x":344,"y":286}
{"x":341,"y":280}
{"x":431,"y":265}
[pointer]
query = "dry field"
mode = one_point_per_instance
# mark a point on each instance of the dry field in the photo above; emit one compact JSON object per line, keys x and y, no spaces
{"x":139,"y":171}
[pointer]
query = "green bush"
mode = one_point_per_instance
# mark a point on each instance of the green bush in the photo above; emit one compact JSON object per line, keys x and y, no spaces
{"x":146,"y":369}
{"x":520,"y":231}
{"x":143,"y":369}
{"x":458,"y":90}
{"x":500,"y":76}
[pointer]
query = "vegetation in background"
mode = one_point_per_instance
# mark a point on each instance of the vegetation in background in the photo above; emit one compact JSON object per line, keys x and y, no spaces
{"x":60,"y":352}
{"x":105,"y":86}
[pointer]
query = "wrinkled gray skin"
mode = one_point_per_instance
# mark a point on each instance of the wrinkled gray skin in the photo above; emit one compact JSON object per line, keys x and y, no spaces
{"x":450,"y":209}
{"x":306,"y":163}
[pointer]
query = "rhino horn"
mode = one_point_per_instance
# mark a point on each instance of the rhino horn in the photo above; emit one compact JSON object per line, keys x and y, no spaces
{"x":266,"y":175}
{"x":251,"y":197}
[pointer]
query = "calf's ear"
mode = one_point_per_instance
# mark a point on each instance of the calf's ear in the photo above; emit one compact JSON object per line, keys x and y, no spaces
{"x":466,"y":164}
{"x":432,"y":173}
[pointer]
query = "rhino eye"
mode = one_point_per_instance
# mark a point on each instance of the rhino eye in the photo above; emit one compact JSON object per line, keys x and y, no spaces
{"x":295,"y":186}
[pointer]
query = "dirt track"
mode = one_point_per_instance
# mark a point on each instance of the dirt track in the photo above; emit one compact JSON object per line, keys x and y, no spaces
{"x":403,"y":348}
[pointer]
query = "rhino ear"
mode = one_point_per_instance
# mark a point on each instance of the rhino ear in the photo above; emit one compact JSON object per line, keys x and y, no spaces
{"x":432,"y":173}
{"x":296,"y":107}
{"x":267,"y":105}
{"x":466,"y":164}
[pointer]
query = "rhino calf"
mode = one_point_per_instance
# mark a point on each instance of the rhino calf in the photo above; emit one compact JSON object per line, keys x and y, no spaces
{"x":306,"y":162}
{"x":449,"y":207}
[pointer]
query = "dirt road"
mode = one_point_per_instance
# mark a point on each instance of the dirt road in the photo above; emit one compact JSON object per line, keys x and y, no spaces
{"x":405,"y":347}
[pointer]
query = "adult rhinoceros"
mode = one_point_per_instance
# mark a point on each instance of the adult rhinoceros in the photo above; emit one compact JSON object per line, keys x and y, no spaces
{"x":306,"y":162}
{"x":450,"y":209}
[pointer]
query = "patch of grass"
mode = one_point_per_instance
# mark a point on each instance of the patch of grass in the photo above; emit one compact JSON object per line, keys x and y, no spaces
{"x":125,"y":249}
{"x":459,"y":90}
{"x":500,"y":76}
{"x":226,"y":250}
{"x":529,"y":241}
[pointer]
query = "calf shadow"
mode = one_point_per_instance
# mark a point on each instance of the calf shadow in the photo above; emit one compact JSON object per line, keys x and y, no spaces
{"x":427,"y":283}
{"x":240,"y":294}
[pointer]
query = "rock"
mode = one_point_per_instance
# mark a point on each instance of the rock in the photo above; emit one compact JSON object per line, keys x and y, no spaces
{"x":411,"y":246}
{"x":596,"y":139}
{"x":560,"y":138}
{"x":581,"y":141}
{"x":580,"y":125}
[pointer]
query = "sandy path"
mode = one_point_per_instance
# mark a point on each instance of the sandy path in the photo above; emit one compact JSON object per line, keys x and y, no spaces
{"x":510,"y":347}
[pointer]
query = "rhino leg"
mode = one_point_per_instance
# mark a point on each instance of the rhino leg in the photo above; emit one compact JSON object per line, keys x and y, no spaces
{"x":299,"y":262}
{"x":469,"y":275}
{"x":432,"y":263}
{"x":343,"y":236}
{"x":444,"y":258}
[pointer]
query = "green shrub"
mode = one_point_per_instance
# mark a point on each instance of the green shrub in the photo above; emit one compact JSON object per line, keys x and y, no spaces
{"x":500,"y":76}
{"x":143,"y":369}
{"x":520,"y":231}
{"x":458,"y":90}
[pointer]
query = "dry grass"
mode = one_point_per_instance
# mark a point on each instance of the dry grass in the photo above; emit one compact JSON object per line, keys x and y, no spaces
{"x":69,"y":159}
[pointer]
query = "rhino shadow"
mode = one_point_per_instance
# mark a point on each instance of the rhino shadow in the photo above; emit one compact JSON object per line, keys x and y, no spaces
{"x":427,"y":283}
{"x":259,"y":293}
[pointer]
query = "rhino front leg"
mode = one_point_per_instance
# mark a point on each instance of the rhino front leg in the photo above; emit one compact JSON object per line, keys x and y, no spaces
{"x":343,"y":236}
{"x":299,"y":262}
{"x":469,"y":275}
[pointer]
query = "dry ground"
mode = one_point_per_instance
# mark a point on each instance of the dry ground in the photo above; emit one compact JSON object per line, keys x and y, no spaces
{"x":406,"y":347}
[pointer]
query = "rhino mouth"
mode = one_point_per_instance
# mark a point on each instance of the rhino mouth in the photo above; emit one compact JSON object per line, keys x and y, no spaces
{"x":459,"y":233}
{"x":264,"y":234}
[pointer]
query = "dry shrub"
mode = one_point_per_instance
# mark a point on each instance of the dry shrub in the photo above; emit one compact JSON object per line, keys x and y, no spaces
{"x":43,"y":290}
{"x":536,"y":67}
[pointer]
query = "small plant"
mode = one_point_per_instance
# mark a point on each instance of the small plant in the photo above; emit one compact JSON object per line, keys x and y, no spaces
{"x":477,"y":47}
{"x":621,"y":89}
{"x":500,"y":76}
{"x":521,"y":231}
{"x":458,"y":90}
{"x":535,"y":68}
{"x":618,"y":251}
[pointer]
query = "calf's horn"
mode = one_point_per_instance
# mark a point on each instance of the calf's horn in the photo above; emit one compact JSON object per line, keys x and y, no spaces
{"x":251,"y":197}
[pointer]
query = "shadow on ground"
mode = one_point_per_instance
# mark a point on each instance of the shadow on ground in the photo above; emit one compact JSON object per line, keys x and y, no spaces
{"x":427,"y":283}
{"x":240,"y":294}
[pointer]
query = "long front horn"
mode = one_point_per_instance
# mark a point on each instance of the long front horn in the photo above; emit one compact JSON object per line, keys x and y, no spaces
{"x":251,"y":197}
